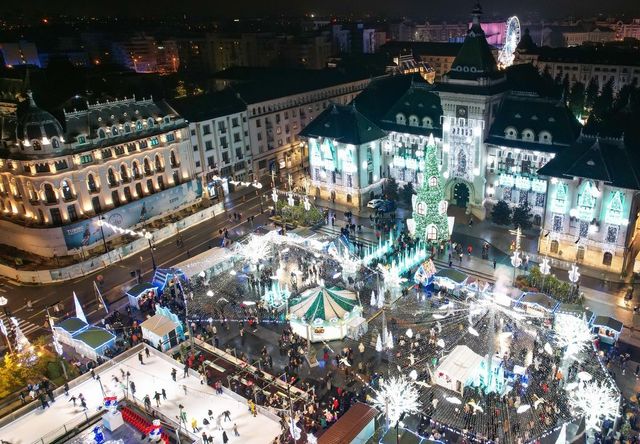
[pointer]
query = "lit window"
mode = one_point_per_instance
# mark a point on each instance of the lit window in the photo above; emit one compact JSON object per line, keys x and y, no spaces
{"x":432,"y":232}
{"x":433,"y":181}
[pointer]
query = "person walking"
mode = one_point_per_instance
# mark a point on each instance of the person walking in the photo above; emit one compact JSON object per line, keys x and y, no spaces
{"x":164,"y":394}
{"x":66,"y":388}
{"x":194,"y":425}
{"x":147,"y":402}
{"x":140,"y":358}
{"x":132,"y":386}
{"x":235,"y":429}
{"x":225,"y":438}
{"x":186,"y":370}
{"x":184,"y":387}
{"x":73,"y":399}
{"x":174,"y":374}
{"x":93,"y":373}
{"x":494,"y":264}
{"x":156,"y":396}
{"x":83,"y":404}
{"x":227,"y":415}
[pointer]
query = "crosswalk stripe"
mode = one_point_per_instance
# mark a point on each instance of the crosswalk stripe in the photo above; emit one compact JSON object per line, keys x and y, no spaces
{"x":27,"y":327}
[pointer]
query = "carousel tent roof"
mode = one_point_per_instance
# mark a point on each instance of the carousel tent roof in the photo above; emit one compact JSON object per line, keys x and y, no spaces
{"x":324,"y":303}
{"x":462,"y":363}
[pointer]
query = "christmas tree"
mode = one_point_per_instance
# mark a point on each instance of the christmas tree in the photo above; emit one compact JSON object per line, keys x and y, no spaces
{"x":430,"y":206}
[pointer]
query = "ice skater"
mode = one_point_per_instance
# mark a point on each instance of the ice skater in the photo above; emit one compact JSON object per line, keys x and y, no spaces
{"x":226,"y":415}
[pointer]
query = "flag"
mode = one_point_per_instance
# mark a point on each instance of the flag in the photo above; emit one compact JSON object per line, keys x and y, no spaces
{"x":99,"y":297}
{"x":79,"y":313}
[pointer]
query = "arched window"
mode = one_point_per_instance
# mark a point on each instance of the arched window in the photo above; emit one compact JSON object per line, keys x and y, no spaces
{"x":433,"y":181}
{"x":49,"y":193}
{"x":138,"y":125}
{"x":55,"y":143}
{"x":607,"y":258}
{"x":147,"y":166}
{"x":174,"y":161}
{"x":124,"y":173}
{"x":442,"y":206}
{"x":111,"y":177}
{"x":421,"y":208}
{"x":544,"y":137}
{"x":101,"y":134}
{"x":527,"y":135}
{"x":150,"y":188}
{"x":67,"y":194}
{"x":114,"y":130}
{"x":136,"y":170}
{"x":91,"y":183}
{"x":400,"y":119}
{"x":554,"y":246}
{"x":127,"y":128}
{"x":615,"y":208}
{"x":158,"y":162}
{"x":37,"y":145}
{"x":150,"y":122}
{"x":413,"y":121}
{"x":432,"y":232}
{"x":511,"y":133}
{"x":427,"y":122}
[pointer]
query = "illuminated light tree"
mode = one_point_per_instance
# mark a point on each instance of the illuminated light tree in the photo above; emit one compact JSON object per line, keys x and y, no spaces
{"x":572,"y":333}
{"x":596,"y":401}
{"x":430,"y":206}
{"x":397,"y":396}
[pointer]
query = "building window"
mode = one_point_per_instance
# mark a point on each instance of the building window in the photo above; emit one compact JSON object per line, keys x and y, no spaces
{"x":170,"y":137}
{"x":66,"y":190}
{"x":101,"y":134}
{"x":114,"y":131}
{"x":49,"y":194}
{"x":158,"y":163}
{"x":607,"y":258}
{"x":139,"y":126}
{"x":86,"y":158}
{"x":206,"y":129}
{"x":56,"y":217}
{"x":432,"y":232}
{"x":55,"y":143}
{"x":584,"y":228}
{"x":115,"y":197}
{"x":612,"y":234}
{"x":554,"y":246}
{"x":208,"y":145}
{"x":73,"y":215}
{"x":433,"y":181}
{"x":557,"y":223}
{"x":154,"y":141}
{"x":174,"y":160}
{"x":91,"y":184}
{"x":82,"y":140}
{"x":400,"y":119}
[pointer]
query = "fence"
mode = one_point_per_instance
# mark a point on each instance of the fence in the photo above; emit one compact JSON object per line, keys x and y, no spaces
{"x":117,"y":254}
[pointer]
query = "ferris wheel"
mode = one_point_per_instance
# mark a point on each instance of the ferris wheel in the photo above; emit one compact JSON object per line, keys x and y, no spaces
{"x":511,"y":40}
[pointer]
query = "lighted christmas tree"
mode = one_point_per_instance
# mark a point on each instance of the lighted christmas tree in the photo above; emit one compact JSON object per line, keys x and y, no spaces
{"x":430,"y":206}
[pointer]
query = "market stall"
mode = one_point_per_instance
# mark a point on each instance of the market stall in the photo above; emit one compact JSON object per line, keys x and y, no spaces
{"x":93,"y":342}
{"x":538,"y":304}
{"x":449,"y":279}
{"x":608,"y":329}
{"x":326,"y":314}
{"x":65,"y":330}
{"x":139,"y":292}
{"x":163,"y":330}
{"x":460,"y":368}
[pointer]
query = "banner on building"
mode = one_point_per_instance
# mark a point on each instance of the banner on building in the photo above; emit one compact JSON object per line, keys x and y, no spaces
{"x":87,"y":232}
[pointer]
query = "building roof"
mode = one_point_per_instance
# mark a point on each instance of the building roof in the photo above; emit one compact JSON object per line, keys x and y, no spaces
{"x":95,"y":337}
{"x":71,"y":325}
{"x":612,"y":161}
{"x":159,"y":325}
{"x":437,"y":49}
{"x":138,"y":289}
{"x":608,"y":322}
{"x":292,"y":82}
{"x":538,"y":115}
{"x":345,"y":124}
{"x":540,"y":299}
{"x":420,"y":101}
{"x":461,"y":364}
{"x":34,"y":123}
{"x":208,"y":106}
{"x":382,"y":93}
{"x":589,"y":54}
{"x":349,"y":425}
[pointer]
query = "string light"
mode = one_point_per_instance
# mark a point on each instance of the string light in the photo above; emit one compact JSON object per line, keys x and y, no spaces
{"x":397,"y":396}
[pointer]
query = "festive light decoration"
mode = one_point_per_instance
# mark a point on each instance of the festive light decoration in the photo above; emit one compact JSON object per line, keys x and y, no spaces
{"x":572,"y":333}
{"x":595,"y":401}
{"x":430,"y":205}
{"x":397,"y":396}
{"x":391,"y":276}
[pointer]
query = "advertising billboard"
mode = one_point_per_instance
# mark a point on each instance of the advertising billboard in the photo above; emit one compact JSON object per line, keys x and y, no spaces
{"x":87,"y":232}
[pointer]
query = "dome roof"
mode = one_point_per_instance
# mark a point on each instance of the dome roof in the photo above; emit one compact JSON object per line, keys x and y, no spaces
{"x":36,"y":123}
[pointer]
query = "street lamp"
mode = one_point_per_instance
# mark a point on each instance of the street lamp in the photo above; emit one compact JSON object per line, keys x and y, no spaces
{"x":545,"y":269}
{"x":149,"y":237}
{"x":104,"y":241}
{"x":574,"y":276}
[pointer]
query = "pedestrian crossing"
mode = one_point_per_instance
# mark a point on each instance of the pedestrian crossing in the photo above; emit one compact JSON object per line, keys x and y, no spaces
{"x":6,"y":287}
{"x":28,"y":328}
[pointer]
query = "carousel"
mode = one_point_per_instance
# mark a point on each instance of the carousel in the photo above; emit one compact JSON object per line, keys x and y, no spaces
{"x":327,"y":314}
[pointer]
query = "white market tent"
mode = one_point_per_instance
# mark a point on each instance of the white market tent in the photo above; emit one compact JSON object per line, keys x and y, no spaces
{"x":458,"y":369}
{"x":325,"y":314}
{"x":213,"y":261}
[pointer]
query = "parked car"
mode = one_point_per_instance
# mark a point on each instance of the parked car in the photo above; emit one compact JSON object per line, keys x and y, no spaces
{"x":375,"y":203}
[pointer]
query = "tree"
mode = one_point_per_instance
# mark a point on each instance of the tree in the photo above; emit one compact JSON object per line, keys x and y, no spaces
{"x":391,"y":190}
{"x":604,"y":103}
{"x":407,"y":192}
{"x":430,"y":212}
{"x":522,"y":216}
{"x":576,"y":99}
{"x":501,"y":213}
{"x":565,"y":88}
{"x":592,"y":93}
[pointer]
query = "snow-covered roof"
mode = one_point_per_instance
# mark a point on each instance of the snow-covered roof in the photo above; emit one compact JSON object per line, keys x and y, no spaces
{"x":461,"y":364}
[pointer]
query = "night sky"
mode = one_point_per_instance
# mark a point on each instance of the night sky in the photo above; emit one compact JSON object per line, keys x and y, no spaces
{"x":393,"y":8}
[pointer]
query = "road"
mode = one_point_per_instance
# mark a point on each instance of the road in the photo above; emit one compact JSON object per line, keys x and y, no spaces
{"x":118,"y":278}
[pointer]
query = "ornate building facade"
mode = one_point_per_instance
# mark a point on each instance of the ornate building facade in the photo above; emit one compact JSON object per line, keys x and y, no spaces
{"x":125,"y":161}
{"x":495,"y":130}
